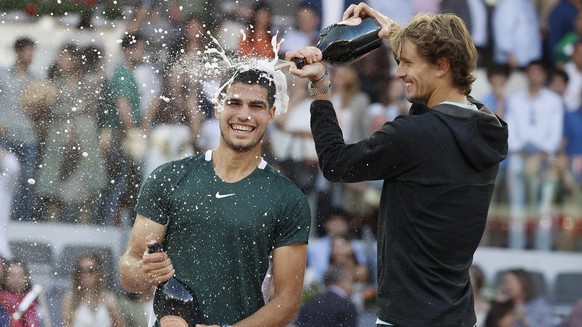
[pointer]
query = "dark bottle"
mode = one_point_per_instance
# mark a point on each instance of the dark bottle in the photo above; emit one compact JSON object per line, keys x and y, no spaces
{"x":345,"y":42}
{"x":175,"y":305}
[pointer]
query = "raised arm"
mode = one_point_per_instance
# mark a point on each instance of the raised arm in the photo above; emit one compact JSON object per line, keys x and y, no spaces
{"x":139,"y":271}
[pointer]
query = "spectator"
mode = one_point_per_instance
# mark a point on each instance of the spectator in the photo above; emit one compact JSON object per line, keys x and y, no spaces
{"x":330,"y":11}
{"x":392,"y":103}
{"x":319,"y":251}
{"x":192,"y":40}
{"x":560,"y":23}
{"x":474,"y":14}
{"x":153,"y":20}
{"x":501,"y":314}
{"x":174,"y":119}
{"x":72,"y":168}
{"x":256,"y":42}
{"x":305,"y":32}
{"x":531,"y":309}
{"x":234,"y":17}
{"x":497,"y":76}
{"x":574,"y":70}
{"x":333,"y":308}
{"x":17,"y":284}
{"x":342,"y":255}
{"x":516,"y":33}
{"x":482,"y":306}
{"x":571,"y":147}
{"x":88,"y":302}
{"x":558,"y":82}
{"x":17,"y":132}
{"x":351,"y":105}
{"x":9,"y":175}
{"x":185,"y":62}
{"x":496,"y":100}
{"x":121,"y":135}
{"x":373,"y":70}
{"x":536,"y":117}
{"x":563,"y":50}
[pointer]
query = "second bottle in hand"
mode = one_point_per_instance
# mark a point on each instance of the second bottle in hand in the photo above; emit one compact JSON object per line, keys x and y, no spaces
{"x":175,"y":305}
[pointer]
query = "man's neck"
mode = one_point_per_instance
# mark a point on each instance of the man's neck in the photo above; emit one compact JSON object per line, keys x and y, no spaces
{"x":232,"y":166}
{"x":451,"y":95}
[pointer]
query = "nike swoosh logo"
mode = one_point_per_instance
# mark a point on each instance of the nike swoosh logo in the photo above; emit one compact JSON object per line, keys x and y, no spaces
{"x":220,"y":196}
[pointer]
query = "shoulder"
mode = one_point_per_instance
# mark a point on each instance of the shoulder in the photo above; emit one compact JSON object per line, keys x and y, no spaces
{"x":177,"y":168}
{"x":273,"y":178}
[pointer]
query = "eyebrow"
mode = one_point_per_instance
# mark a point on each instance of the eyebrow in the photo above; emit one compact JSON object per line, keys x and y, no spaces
{"x":256,"y":102}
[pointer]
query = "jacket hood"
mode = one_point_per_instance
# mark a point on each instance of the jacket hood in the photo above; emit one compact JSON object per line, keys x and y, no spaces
{"x":480,"y":134}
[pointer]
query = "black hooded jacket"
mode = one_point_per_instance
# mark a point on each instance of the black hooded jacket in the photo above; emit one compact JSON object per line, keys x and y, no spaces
{"x":439,"y":167}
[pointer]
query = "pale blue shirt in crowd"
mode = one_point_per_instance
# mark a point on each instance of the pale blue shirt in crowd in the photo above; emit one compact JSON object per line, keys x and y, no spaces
{"x":478,"y":22}
{"x":535,"y":121}
{"x":516,"y":31}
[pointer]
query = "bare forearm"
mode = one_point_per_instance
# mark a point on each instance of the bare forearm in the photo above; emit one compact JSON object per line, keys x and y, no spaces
{"x":278,"y":312}
{"x":132,"y":277}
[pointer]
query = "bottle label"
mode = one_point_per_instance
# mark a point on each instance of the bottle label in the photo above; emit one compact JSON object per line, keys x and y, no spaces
{"x":173,"y":321}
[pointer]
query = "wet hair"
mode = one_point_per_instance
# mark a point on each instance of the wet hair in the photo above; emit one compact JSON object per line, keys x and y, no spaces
{"x":22,"y":43}
{"x":438,"y":36}
{"x":251,"y":77}
{"x":497,"y":311}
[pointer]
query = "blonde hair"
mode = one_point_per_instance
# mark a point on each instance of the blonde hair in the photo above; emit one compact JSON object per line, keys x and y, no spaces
{"x":439,"y":36}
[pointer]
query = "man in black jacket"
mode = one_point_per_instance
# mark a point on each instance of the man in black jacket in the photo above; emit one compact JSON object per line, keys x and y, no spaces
{"x":438,"y":165}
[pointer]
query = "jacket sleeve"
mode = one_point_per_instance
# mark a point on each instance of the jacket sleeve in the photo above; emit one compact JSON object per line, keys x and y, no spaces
{"x":383,"y":155}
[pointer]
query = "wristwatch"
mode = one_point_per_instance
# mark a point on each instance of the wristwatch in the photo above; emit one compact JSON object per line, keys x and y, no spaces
{"x":318,"y":90}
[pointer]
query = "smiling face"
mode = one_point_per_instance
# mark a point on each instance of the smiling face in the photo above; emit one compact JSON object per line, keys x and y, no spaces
{"x":418,"y":75}
{"x":244,"y":116}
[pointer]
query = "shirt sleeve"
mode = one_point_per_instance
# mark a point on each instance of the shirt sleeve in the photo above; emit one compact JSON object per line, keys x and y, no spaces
{"x":383,"y":155}
{"x":294,"y":220}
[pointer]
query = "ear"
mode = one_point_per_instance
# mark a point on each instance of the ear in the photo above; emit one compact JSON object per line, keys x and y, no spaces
{"x":443,"y":65}
{"x":217,"y":111}
{"x":272,"y":111}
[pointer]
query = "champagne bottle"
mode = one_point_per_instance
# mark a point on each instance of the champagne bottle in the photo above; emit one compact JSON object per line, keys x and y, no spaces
{"x":347,"y":41}
{"x":175,"y":305}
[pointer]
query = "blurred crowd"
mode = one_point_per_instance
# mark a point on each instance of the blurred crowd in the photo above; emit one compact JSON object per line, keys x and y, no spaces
{"x":76,"y":143}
